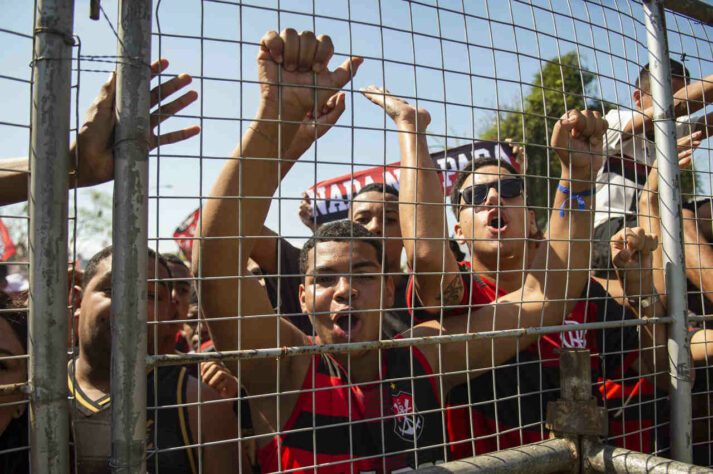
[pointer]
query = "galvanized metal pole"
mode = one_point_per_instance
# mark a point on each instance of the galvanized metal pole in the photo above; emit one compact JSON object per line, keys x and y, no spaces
{"x":49,"y":165}
{"x":671,"y":229}
{"x":130,"y":239}
{"x":597,"y":457}
{"x":552,"y":455}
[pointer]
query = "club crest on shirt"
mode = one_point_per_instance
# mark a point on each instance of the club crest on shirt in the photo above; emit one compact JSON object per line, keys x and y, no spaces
{"x":576,"y":339}
{"x":407,"y":426}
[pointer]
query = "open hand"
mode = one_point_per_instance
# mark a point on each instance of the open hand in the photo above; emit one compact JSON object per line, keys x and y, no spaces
{"x":95,"y":142}
{"x":400,"y":111}
{"x":313,"y":128}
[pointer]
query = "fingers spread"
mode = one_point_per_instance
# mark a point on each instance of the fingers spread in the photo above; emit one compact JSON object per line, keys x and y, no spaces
{"x":158,"y":67}
{"x":291,"y":48}
{"x":166,"y":111}
{"x":346,"y":71}
{"x":173,"y":137}
{"x":167,"y":88}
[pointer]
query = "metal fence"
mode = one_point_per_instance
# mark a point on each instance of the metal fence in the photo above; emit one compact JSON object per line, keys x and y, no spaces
{"x":364,"y":352}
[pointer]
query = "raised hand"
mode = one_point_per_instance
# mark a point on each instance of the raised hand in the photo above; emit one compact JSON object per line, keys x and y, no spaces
{"x":632,"y":258}
{"x":95,"y":142}
{"x":305,"y":211}
{"x":577,"y":139}
{"x":313,"y":128}
{"x":301,"y":59}
{"x":400,"y":111}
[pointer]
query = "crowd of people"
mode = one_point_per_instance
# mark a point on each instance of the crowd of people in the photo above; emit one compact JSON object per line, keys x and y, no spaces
{"x":356,"y":406}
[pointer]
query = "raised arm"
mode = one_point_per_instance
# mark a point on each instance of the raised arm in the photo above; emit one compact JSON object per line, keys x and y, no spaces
{"x":541,"y":302}
{"x":94,"y":148}
{"x":687,"y":100}
{"x":632,"y":256}
{"x":422,"y":208}
{"x":241,"y":196}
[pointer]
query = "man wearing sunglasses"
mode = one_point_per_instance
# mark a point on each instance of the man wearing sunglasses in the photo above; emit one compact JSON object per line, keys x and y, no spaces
{"x":501,"y":233}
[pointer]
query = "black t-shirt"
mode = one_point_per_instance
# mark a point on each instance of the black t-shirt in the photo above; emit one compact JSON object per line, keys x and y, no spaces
{"x":286,"y":285}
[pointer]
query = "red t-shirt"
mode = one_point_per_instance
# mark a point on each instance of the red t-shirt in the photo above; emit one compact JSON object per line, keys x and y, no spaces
{"x":506,"y":407}
{"x":373,"y":427}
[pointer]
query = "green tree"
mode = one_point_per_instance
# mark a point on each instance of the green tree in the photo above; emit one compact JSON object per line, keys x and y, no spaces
{"x":562,"y":84}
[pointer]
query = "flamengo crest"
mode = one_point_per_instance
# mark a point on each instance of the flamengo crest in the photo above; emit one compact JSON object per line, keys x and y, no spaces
{"x":407,"y":426}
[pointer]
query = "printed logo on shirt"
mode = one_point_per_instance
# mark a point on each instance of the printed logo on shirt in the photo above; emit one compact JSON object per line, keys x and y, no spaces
{"x":407,"y":426}
{"x":574,"y":339}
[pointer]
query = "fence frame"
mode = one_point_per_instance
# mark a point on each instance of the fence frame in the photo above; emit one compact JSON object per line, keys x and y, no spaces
{"x":669,"y":179}
{"x":49,"y":163}
{"x":130,"y":238}
{"x":48,"y":200}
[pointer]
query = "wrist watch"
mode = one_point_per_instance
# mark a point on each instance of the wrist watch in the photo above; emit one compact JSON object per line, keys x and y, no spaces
{"x":643,"y":302}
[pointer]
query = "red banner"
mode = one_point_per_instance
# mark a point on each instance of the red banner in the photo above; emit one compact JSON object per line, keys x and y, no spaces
{"x":184,"y":233}
{"x":7,"y":247}
{"x":330,"y":198}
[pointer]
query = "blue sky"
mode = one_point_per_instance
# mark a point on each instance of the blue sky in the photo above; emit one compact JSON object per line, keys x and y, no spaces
{"x":473,"y":80}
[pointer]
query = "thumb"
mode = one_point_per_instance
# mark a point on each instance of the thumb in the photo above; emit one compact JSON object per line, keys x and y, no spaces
{"x":346,"y":71}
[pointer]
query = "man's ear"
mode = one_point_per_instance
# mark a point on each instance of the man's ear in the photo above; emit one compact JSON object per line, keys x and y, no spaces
{"x":75,"y":297}
{"x":637,"y":98}
{"x":458,"y":232}
{"x":303,"y":300}
{"x":532,"y":229}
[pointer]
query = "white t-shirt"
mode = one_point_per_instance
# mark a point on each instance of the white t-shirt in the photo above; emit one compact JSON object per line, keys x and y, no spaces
{"x":615,"y":193}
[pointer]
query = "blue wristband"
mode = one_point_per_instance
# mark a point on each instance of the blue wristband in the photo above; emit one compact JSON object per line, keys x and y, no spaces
{"x":577,"y":196}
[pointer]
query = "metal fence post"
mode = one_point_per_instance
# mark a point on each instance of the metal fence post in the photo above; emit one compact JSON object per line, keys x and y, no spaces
{"x":49,"y":164}
{"x":671,"y":229}
{"x":129,"y":263}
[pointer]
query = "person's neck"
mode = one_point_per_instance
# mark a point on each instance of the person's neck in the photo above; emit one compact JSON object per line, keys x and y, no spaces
{"x":365,"y":369}
{"x":509,"y":275}
{"x":93,"y":377}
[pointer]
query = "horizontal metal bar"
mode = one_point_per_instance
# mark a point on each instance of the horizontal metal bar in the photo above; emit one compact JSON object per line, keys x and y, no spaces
{"x":547,"y":456}
{"x":15,"y":388}
{"x":697,"y":9}
{"x":198,"y":357}
{"x":599,"y":457}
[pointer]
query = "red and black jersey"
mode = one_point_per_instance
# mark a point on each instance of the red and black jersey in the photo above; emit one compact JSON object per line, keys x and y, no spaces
{"x":506,"y":406}
{"x":390,"y":424}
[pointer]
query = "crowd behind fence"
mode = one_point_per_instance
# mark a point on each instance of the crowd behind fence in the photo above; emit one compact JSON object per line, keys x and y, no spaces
{"x":409,"y":234}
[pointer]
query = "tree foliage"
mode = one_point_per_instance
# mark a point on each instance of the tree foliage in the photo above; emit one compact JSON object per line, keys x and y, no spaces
{"x":561,"y":84}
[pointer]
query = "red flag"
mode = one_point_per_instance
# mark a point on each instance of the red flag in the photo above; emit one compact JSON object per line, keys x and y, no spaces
{"x":184,"y":233}
{"x":7,"y":247}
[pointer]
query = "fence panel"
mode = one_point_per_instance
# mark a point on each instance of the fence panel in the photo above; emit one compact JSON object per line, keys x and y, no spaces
{"x":366,"y":351}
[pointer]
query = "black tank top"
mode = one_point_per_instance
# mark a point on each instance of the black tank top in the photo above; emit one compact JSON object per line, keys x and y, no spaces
{"x":165,"y":428}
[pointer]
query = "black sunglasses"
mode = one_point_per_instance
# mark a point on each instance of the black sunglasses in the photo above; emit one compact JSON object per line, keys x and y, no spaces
{"x":478,"y":193}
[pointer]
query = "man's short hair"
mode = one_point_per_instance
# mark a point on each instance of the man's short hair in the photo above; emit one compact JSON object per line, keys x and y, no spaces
{"x":93,"y":265}
{"x":382,"y":188}
{"x":174,"y":259}
{"x":471,"y":167}
{"x":643,"y":83}
{"x":339,"y":231}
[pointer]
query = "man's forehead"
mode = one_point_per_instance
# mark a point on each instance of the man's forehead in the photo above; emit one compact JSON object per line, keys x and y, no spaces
{"x":486,"y":174}
{"x":374,"y":198}
{"x":341,"y":253}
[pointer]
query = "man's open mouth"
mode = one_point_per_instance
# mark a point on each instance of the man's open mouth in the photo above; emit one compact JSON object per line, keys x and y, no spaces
{"x":497,"y":222}
{"x":346,"y":323}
